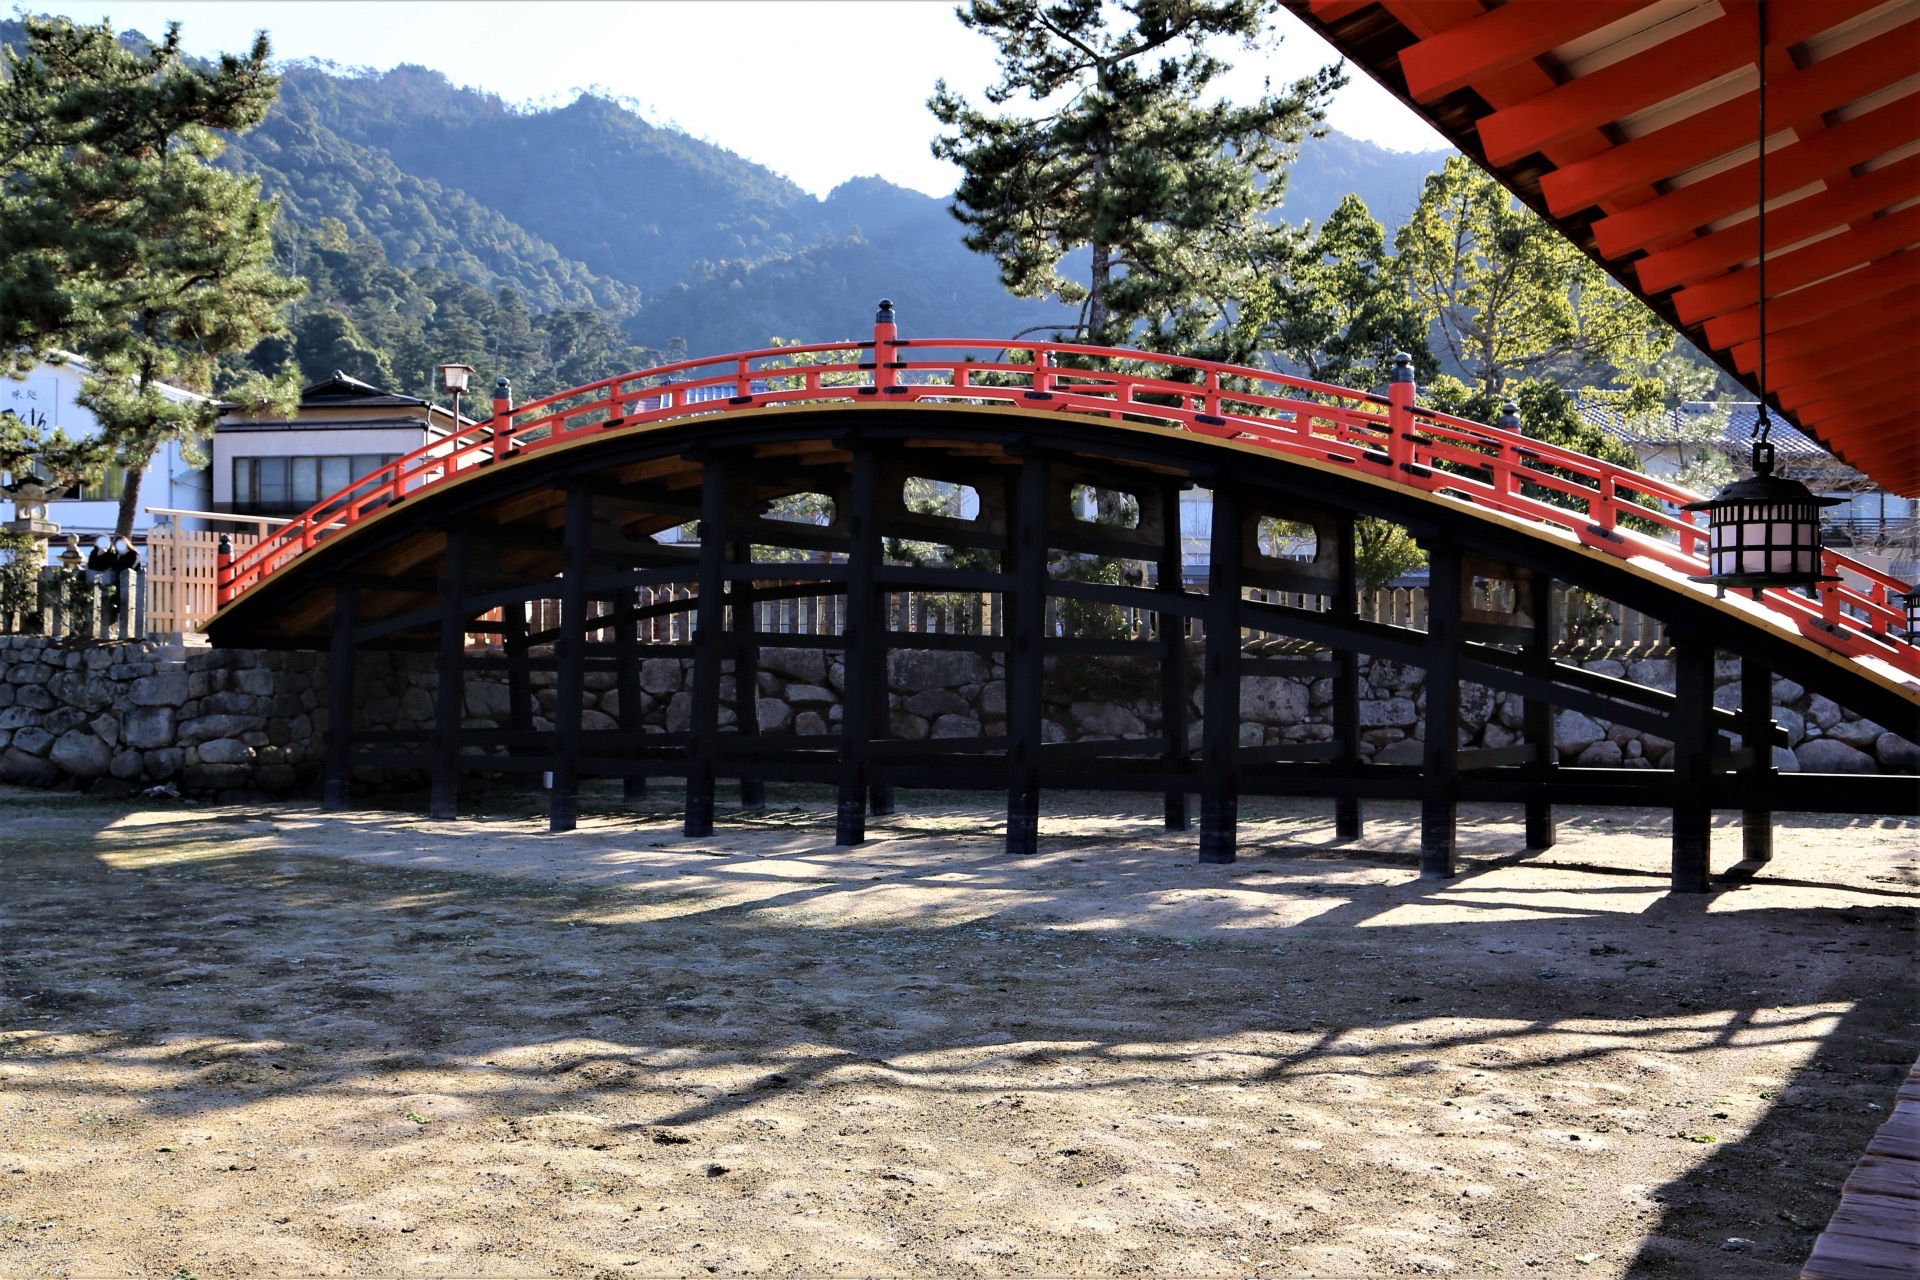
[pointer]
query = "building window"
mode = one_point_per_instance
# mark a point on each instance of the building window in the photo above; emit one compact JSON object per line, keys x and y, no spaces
{"x":286,"y":486}
{"x":112,"y":486}
{"x":113,"y":483}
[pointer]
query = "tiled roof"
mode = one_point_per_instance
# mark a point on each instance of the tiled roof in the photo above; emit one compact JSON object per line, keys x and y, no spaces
{"x":343,"y":392}
{"x":1788,"y":440}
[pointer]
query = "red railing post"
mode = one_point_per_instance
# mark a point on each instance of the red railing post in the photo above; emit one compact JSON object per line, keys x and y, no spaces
{"x":1503,"y":468}
{"x":502,"y":417}
{"x":885,"y":330}
{"x":1601,"y":506}
{"x":1400,"y":394}
{"x":223,"y":572}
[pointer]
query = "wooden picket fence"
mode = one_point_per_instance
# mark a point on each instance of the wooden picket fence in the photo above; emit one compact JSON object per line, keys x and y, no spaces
{"x":1583,"y":622}
{"x":179,"y":595}
{"x":181,"y":576}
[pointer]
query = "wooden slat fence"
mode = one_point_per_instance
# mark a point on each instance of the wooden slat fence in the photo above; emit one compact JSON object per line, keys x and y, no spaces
{"x":180,"y":582}
{"x":181,"y":566}
{"x":1584,"y":622}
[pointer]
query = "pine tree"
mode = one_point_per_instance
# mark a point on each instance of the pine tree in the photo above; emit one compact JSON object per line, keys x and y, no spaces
{"x":119,"y":240}
{"x":1509,"y":296}
{"x":1122,"y":155}
{"x":1340,"y":311}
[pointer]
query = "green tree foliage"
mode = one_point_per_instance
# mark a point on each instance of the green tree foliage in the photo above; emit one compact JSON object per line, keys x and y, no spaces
{"x":1340,"y":310}
{"x":1121,"y":154}
{"x":390,"y":325}
{"x":327,"y":339}
{"x":1383,"y":551}
{"x":373,"y":152}
{"x":120,"y":241}
{"x":1512,"y":298}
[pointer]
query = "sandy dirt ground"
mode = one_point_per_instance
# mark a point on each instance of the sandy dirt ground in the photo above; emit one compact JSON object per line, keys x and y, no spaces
{"x":240,"y":1042}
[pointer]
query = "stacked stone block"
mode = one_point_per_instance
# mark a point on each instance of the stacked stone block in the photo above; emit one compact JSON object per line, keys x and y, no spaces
{"x":121,"y":718}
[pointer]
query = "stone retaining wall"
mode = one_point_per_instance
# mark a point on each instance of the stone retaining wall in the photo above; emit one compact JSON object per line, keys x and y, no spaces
{"x":119,"y":718}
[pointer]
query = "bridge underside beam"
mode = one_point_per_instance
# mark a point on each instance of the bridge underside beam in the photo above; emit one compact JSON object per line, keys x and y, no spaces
{"x":1045,"y":552}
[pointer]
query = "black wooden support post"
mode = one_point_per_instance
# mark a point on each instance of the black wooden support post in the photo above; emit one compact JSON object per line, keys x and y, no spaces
{"x":710,"y":620}
{"x":450,"y":691}
{"x":1756,"y":734}
{"x":340,"y":698}
{"x":1536,"y":718}
{"x":880,"y":797}
{"x":1692,"y":764}
{"x":513,"y":640}
{"x":1174,"y":696}
{"x":1346,"y":679}
{"x":1220,"y":732}
{"x":746,"y":675}
{"x":865,"y":650}
{"x":570,"y":662}
{"x":627,"y":682}
{"x":1026,"y":670}
{"x":1439,"y":769}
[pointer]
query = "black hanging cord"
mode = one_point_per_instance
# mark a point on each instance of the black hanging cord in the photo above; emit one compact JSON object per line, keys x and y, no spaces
{"x":1763,"y":424}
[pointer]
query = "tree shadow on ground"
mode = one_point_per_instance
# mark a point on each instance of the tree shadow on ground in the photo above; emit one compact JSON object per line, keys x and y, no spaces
{"x":1468,"y":1029}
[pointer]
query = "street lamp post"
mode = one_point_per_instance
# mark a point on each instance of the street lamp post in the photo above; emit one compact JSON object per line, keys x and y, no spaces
{"x":454,"y":378}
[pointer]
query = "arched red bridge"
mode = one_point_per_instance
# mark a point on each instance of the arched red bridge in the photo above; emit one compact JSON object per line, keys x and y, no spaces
{"x":560,"y":501}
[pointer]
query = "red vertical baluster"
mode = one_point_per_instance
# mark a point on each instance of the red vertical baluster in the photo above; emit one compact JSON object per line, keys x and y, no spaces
{"x":1503,"y":464}
{"x":1400,"y":396}
{"x":885,"y":331}
{"x":502,"y":418}
{"x":223,"y":572}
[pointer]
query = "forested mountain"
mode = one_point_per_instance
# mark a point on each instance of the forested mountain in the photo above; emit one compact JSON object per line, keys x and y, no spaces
{"x":437,"y":223}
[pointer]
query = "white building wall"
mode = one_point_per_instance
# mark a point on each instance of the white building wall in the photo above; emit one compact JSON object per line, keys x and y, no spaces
{"x":305,"y":443}
{"x":46,"y":399}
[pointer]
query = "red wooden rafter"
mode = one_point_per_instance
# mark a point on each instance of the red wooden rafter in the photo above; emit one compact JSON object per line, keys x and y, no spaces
{"x":1845,"y":257}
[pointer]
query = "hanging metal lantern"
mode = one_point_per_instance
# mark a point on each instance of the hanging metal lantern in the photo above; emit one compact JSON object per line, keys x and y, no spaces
{"x":1765,"y":530}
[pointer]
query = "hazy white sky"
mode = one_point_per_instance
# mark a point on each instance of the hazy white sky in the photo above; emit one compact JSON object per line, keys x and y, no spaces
{"x":818,"y":90}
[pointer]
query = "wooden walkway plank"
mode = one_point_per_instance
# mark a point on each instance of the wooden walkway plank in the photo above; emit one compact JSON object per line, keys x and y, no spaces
{"x":1853,"y":1258}
{"x":1874,"y":1234}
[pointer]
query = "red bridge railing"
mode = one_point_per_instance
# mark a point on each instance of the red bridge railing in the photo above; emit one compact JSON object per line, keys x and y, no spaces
{"x":1620,"y":512}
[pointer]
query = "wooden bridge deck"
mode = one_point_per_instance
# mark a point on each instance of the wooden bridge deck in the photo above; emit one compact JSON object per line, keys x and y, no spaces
{"x":1875,"y":1232}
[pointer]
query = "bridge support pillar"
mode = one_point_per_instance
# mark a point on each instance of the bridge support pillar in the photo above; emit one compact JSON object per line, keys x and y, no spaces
{"x":1174,"y":698}
{"x":450,"y":690}
{"x":866,"y":651}
{"x":570,"y":662}
{"x":1220,"y":734}
{"x":513,"y":640}
{"x":746,"y":674}
{"x":709,"y":645}
{"x":1440,"y":773}
{"x":338,"y":782}
{"x":1026,"y":671}
{"x":1536,"y":715}
{"x":1692,"y":765}
{"x":1347,"y":823}
{"x":1756,"y":734}
{"x":627,"y":682}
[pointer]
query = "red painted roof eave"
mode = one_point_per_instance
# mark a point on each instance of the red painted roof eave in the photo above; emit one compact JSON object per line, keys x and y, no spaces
{"x":1367,"y":35}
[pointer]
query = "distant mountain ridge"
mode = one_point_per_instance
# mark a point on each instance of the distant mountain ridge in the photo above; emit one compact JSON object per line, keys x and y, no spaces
{"x":589,"y":207}
{"x":591,"y":201}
